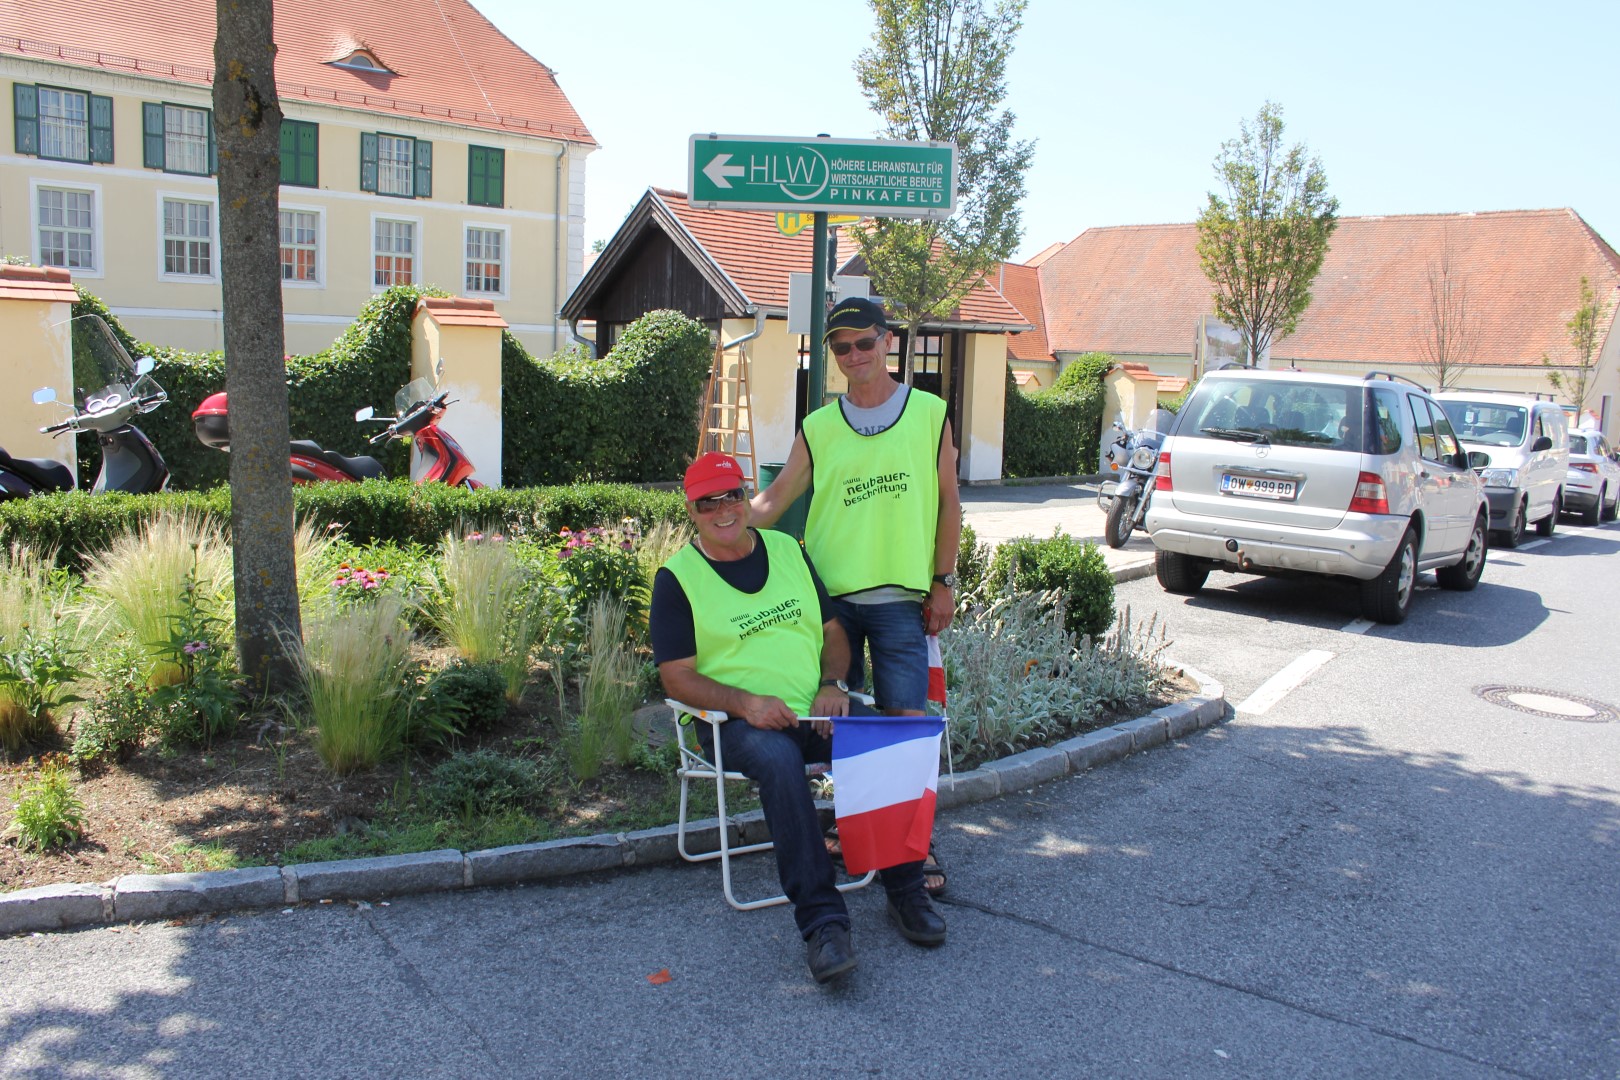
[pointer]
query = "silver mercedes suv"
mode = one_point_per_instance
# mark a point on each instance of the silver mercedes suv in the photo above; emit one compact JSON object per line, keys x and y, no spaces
{"x":1289,"y":472}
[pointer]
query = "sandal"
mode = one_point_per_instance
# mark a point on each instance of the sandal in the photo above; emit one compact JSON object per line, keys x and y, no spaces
{"x":934,"y":869}
{"x":835,"y":850}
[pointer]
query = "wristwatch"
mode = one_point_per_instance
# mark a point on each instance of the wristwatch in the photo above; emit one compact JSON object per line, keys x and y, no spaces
{"x":947,"y":580}
{"x":843,"y":686}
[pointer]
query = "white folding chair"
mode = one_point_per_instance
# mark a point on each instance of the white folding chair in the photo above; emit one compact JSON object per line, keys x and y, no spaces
{"x":694,"y":766}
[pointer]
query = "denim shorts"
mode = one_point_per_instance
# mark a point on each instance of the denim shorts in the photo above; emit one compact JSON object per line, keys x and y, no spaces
{"x":894,"y":633}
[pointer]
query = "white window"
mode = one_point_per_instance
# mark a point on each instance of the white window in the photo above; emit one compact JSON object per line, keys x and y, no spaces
{"x":395,"y":165}
{"x":300,"y":246}
{"x":188,"y":238}
{"x":393,"y":252}
{"x":185,"y":140}
{"x":486,"y":261}
{"x":67,"y":223}
{"x":64,"y":124}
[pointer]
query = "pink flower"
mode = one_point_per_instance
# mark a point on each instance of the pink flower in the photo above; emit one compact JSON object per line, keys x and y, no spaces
{"x":192,"y":648}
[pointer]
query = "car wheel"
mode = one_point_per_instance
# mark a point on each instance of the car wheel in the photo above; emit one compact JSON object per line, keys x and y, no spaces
{"x":1548,"y":524}
{"x":1515,"y":535}
{"x":1612,"y":511}
{"x":1178,"y":573}
{"x":1464,"y":574}
{"x":1387,"y":597}
{"x":1591,"y":514}
{"x":1117,"y":527}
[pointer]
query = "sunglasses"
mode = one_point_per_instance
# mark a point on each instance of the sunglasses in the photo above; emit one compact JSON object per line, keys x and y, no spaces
{"x":841,"y":348}
{"x":710,"y":503}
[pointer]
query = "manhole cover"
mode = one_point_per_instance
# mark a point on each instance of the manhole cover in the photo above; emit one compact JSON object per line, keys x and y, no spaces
{"x":1548,"y":703}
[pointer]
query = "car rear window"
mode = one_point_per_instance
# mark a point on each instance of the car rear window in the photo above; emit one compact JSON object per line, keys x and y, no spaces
{"x":1487,"y":423}
{"x":1285,"y":414}
{"x":1577,"y":445}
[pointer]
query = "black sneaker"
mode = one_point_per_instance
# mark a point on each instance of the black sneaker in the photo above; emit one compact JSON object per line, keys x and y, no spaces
{"x":917,"y":919}
{"x":830,"y":953}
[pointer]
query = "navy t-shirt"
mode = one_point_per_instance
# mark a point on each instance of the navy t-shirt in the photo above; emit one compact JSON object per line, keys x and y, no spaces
{"x":670,"y":621}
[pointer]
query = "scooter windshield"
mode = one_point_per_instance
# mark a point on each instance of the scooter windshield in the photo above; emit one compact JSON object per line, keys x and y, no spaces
{"x":104,"y":376}
{"x":412,"y":394}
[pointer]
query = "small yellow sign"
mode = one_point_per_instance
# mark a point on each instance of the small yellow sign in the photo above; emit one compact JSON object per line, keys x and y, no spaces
{"x":792,"y":224}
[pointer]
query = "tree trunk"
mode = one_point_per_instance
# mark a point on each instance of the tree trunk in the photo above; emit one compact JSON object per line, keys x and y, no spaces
{"x":247,"y":124}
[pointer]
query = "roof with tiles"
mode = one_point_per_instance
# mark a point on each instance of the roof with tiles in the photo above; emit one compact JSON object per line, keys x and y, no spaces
{"x":753,"y":253}
{"x":1021,"y":285}
{"x":1139,"y":289}
{"x":461,"y":311}
{"x":445,"y":61}
{"x":49,"y":284}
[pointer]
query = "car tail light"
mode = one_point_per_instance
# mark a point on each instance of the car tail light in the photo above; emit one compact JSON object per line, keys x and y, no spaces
{"x":1369,"y":497}
{"x":1161,"y":482}
{"x":1584,"y":466}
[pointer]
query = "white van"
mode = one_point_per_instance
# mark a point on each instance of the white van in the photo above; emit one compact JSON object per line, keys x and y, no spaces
{"x":1527,"y":441}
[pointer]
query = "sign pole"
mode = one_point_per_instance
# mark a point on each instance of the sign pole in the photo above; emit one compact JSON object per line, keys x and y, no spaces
{"x":818,"y":316}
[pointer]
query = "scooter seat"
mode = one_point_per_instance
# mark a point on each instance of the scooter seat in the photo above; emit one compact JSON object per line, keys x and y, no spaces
{"x":44,"y":473}
{"x":364,"y":466}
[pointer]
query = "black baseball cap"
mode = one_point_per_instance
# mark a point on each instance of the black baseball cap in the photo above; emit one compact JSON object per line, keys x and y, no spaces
{"x":855,"y":313}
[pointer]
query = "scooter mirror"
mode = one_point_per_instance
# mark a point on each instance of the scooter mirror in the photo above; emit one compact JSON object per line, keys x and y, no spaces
{"x":361,"y":415}
{"x":438,"y":370}
{"x":44,"y":396}
{"x":144,"y":365}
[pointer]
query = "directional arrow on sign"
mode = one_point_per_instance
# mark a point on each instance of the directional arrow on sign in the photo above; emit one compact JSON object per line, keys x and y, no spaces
{"x":717,"y":171}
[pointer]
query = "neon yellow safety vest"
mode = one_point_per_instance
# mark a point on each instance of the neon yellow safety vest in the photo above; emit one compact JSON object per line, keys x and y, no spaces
{"x":876,"y":503}
{"x":768,"y":642}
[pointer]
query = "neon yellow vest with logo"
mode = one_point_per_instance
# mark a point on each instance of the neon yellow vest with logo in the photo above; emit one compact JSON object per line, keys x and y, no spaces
{"x":767,"y":642}
{"x":876,"y":503}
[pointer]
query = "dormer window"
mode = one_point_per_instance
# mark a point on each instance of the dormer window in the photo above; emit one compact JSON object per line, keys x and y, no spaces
{"x":361,"y":60}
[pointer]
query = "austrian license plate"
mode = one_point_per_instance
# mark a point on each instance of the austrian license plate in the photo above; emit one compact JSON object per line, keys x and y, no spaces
{"x":1256,"y":487}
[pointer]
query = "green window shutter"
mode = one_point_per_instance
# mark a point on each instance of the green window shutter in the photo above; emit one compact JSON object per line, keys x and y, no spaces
{"x":477,"y":165}
{"x":423,"y":187}
{"x":101,"y":129}
{"x":213,"y":152}
{"x":368,"y":161}
{"x":497,"y":178}
{"x":25,"y":114}
{"x":298,"y":153}
{"x":309,"y":154}
{"x":289,"y":152}
{"x":152,"y":133}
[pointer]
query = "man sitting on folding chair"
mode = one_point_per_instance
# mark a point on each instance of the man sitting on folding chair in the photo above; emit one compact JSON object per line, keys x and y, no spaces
{"x":741,"y":623}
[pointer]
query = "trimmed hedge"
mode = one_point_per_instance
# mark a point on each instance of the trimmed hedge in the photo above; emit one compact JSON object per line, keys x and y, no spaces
{"x":76,"y":522}
{"x":1056,"y":432}
{"x":632,"y":416}
{"x":1077,"y":570}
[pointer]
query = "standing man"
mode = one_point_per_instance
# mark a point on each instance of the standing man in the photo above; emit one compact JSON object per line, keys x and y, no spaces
{"x":741,"y":623}
{"x":885,"y":518}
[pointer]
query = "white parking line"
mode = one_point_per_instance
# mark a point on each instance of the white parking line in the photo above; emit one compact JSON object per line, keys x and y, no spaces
{"x":1276,"y":688}
{"x":1532,"y":545}
{"x":1360,"y":626}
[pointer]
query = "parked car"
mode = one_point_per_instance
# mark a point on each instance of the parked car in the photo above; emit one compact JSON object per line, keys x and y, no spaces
{"x":1285,"y":472}
{"x":1527,"y":442}
{"x":1592,"y":485}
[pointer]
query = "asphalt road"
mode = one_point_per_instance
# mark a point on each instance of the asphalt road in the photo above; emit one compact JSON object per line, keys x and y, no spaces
{"x":1369,"y":871}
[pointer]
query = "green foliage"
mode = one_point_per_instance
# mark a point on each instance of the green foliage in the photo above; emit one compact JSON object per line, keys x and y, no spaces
{"x":608,"y":690}
{"x":938,"y":71}
{"x":202,"y":702}
{"x":1578,"y":380}
{"x":353,"y":668}
{"x":596,"y":561}
{"x":483,"y":782}
{"x":118,"y":718}
{"x":972,"y":561}
{"x":1056,"y":432}
{"x":631,"y":416}
{"x":1262,"y":244}
{"x":459,"y":699}
{"x":48,"y":814}
{"x":36,"y":673}
{"x":1070,"y":573}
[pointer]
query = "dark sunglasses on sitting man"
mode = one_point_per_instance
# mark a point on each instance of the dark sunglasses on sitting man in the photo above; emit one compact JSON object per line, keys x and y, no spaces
{"x":710,"y":503}
{"x":841,"y":348}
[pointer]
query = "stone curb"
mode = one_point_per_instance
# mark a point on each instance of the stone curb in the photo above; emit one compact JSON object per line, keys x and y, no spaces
{"x":165,"y":896}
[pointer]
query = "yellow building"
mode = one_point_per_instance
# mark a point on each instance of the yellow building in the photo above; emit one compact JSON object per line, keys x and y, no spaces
{"x":419,"y":145}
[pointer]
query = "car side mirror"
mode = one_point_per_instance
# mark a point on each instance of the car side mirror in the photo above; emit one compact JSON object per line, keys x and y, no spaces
{"x":1462,"y":459}
{"x":1543,"y":443}
{"x":1478,"y":459}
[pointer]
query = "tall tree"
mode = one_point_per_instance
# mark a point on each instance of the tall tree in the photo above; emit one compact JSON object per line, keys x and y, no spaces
{"x":1262,"y":244}
{"x":247,"y":125}
{"x":1446,"y":340}
{"x":937,"y":71}
{"x":1577,"y":381}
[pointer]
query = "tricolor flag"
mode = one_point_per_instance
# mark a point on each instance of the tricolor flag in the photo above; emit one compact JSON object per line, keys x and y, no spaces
{"x":936,"y":671}
{"x":886,"y":771}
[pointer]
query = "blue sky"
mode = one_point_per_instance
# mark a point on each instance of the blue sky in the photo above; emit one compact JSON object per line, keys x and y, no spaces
{"x":1415,"y":107}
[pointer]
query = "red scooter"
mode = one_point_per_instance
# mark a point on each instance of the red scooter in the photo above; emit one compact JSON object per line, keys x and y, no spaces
{"x":310,"y":461}
{"x":436,"y":458}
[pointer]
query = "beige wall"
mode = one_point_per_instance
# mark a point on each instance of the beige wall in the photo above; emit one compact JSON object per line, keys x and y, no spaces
{"x":39,"y":353}
{"x":472,"y":373}
{"x":984,"y":407}
{"x":542,"y":219}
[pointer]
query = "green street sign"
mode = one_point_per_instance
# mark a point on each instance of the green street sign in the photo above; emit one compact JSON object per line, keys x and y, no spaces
{"x":870,"y":177}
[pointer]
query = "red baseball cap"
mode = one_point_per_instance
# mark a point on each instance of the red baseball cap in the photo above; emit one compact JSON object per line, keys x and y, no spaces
{"x":711,"y":474}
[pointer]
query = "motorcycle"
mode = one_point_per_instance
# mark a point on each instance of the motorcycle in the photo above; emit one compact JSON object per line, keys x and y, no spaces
{"x":129,"y":461}
{"x":1136,"y":454}
{"x":436,"y":457}
{"x":310,"y":461}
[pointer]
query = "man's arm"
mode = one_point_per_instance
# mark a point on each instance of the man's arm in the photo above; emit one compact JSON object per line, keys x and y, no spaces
{"x":793,"y":481}
{"x":682,"y":681}
{"x":941,"y":604}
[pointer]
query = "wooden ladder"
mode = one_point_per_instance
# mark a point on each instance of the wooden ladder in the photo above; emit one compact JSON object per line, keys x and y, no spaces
{"x":727,"y":415}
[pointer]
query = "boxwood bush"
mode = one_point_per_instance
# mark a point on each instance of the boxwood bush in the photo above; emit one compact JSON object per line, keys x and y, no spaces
{"x":1056,"y":432}
{"x":1060,"y":562}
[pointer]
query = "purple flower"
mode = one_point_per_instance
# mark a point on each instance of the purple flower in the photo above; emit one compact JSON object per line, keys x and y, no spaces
{"x":192,"y":648}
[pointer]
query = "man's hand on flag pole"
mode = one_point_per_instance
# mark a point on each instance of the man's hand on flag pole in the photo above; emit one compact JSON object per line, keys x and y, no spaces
{"x":769,"y":713}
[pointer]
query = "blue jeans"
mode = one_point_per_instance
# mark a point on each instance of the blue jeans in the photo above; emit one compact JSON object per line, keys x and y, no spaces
{"x":775,"y":760}
{"x":894,"y":631}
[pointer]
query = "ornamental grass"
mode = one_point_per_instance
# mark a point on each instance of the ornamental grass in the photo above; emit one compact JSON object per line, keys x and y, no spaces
{"x":353,"y":669}
{"x":475,"y":594}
